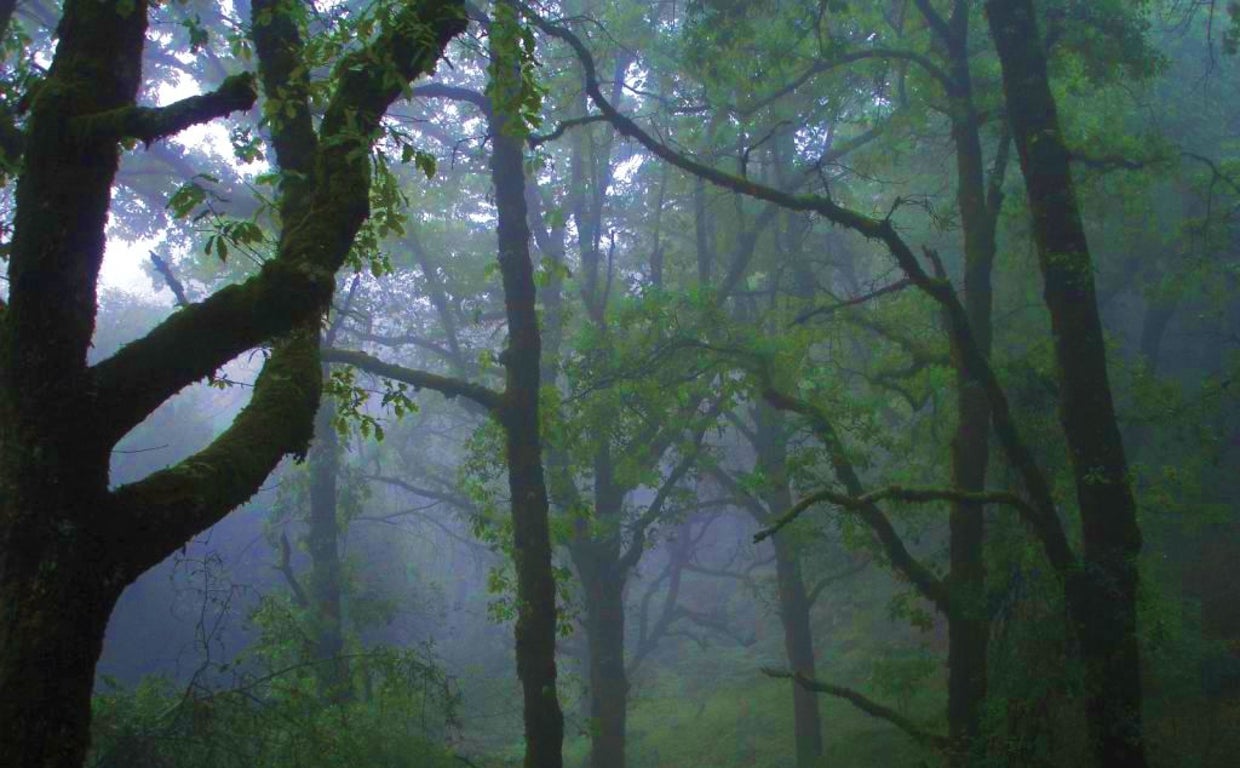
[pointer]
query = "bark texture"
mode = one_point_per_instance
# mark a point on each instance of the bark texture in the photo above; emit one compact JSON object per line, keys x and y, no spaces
{"x":69,"y":544}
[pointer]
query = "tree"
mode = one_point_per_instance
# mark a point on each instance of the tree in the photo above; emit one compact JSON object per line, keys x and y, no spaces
{"x":516,"y":408}
{"x":68,"y":543}
{"x":1099,"y":587}
{"x":1102,"y":592}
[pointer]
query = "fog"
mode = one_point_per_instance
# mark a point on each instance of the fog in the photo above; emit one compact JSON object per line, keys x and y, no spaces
{"x":782,"y":384}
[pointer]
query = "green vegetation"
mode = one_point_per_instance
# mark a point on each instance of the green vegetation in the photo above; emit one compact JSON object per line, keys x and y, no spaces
{"x":619,"y":384}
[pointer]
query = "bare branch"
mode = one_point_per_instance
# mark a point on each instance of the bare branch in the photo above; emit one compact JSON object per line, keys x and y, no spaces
{"x":538,"y":139}
{"x":864,"y":704}
{"x":655,"y":510}
{"x":165,"y":271}
{"x":822,"y":66}
{"x":286,"y":569}
{"x":929,"y":585}
{"x":896,"y":493}
{"x":446,"y":386}
{"x":834,"y":578}
{"x":456,"y":500}
{"x":895,"y":287}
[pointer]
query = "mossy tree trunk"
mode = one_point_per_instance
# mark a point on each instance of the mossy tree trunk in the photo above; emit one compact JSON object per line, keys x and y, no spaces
{"x":1102,"y":591}
{"x":69,"y":544}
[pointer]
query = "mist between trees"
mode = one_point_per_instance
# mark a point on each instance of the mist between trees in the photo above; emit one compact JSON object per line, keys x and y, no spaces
{"x":619,"y":384}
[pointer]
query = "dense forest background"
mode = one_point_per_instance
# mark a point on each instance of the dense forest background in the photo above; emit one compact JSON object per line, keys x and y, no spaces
{"x":804,"y":382}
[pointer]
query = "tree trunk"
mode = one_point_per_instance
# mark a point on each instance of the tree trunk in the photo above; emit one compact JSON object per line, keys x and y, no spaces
{"x":609,"y":686}
{"x":967,"y":621}
{"x":596,"y":556}
{"x":799,"y":647}
{"x":1102,"y":595}
{"x":56,"y":596}
{"x":1158,"y":313}
{"x":322,"y":540}
{"x":794,"y":605}
{"x":69,"y":545}
{"x":536,"y":612}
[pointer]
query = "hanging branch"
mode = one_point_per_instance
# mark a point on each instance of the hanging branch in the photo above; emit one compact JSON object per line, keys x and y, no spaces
{"x":895,"y":287}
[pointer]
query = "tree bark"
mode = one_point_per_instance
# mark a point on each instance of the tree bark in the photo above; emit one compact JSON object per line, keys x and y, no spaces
{"x":967,"y":620}
{"x":68,"y":544}
{"x":1102,"y":593}
{"x":519,"y":414}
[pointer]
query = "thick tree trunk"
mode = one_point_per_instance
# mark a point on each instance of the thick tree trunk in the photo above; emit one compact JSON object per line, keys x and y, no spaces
{"x":68,"y":545}
{"x":59,"y":577}
{"x":55,"y":598}
{"x":1102,"y":595}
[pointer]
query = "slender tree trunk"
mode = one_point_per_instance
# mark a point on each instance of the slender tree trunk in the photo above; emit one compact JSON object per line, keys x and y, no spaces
{"x":1102,"y":595}
{"x":609,"y":686}
{"x":322,"y":540}
{"x":536,"y":612}
{"x":596,"y":556}
{"x":794,"y":603}
{"x":799,"y":647}
{"x":967,"y":620}
{"x":1158,"y":314}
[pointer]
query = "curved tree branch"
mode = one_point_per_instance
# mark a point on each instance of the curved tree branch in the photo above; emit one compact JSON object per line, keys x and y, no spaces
{"x":298,"y":283}
{"x":161,"y":512}
{"x":864,"y":704}
{"x":866,"y":507}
